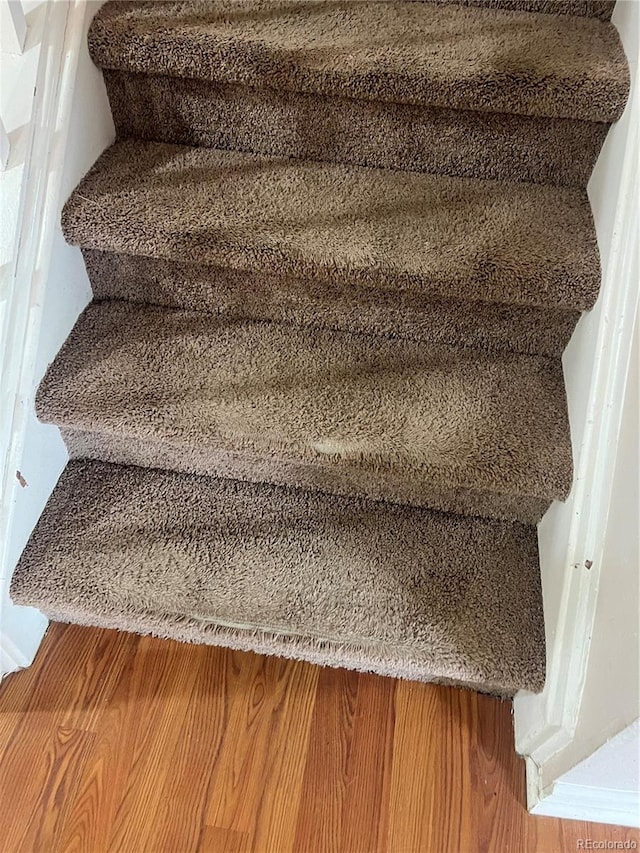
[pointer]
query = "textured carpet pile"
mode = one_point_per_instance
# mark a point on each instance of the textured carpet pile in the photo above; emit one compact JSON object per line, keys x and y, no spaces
{"x":492,"y":92}
{"x":337,"y":250}
{"x":344,"y":582}
{"x":491,"y":250}
{"x":390,"y":419}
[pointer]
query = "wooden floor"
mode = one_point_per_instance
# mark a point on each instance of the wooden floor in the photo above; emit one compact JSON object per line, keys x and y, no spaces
{"x":122,"y":743}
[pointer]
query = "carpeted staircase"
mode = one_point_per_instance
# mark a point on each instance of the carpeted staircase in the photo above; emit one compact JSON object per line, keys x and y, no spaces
{"x":316,"y":408}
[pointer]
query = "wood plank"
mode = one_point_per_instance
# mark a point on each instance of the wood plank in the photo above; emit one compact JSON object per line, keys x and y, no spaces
{"x":217,"y":840}
{"x":431,"y":754}
{"x":120,"y":743}
{"x":256,"y":781}
{"x":64,"y":761}
{"x":366,"y":802}
{"x":289,"y":735}
{"x":89,"y":822}
{"x":154,"y":713}
{"x":497,"y":777}
{"x":186,"y":791}
{"x":38,"y":703}
{"x":39,"y":700}
{"x":320,"y":819}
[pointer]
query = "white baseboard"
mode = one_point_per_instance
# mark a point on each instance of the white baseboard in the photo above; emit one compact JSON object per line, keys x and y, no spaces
{"x":589,"y":803}
{"x":605,"y":788}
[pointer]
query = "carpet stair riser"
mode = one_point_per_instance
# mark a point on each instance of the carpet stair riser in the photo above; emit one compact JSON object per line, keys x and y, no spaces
{"x":383,"y":485}
{"x":341,"y":582}
{"x":367,"y":133}
{"x":601,"y":9}
{"x":245,"y":294}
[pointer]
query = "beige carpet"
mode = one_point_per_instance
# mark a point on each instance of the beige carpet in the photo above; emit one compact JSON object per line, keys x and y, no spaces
{"x":332,"y":128}
{"x":503,"y":245}
{"x":390,"y":50}
{"x":298,"y":79}
{"x":386,"y":589}
{"x":337,"y":251}
{"x":240,"y":294}
{"x":340,"y":412}
{"x":602,"y":9}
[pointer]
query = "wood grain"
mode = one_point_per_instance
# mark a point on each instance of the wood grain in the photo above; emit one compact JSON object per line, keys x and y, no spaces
{"x":113,"y":743}
{"x":149,"y":737}
{"x":369,"y":769}
{"x":91,"y":816}
{"x":319,"y":820}
{"x":63,"y":766}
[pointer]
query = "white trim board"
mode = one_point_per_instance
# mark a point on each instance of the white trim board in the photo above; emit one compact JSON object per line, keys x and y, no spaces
{"x":21,"y":633}
{"x":13,"y":26}
{"x":23,"y":294}
{"x":588,"y":803}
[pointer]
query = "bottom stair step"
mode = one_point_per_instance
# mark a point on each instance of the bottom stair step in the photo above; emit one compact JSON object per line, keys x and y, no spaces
{"x":396,"y":590}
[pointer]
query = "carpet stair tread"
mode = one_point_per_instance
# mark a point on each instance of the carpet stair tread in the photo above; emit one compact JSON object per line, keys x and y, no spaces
{"x":452,"y":56}
{"x":345,"y":413}
{"x":344,"y":582}
{"x":460,"y":238}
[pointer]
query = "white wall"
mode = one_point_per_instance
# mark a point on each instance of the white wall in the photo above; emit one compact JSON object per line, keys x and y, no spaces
{"x":589,"y":545}
{"x":611,"y":697}
{"x":67,"y":292}
{"x":595,"y":776}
